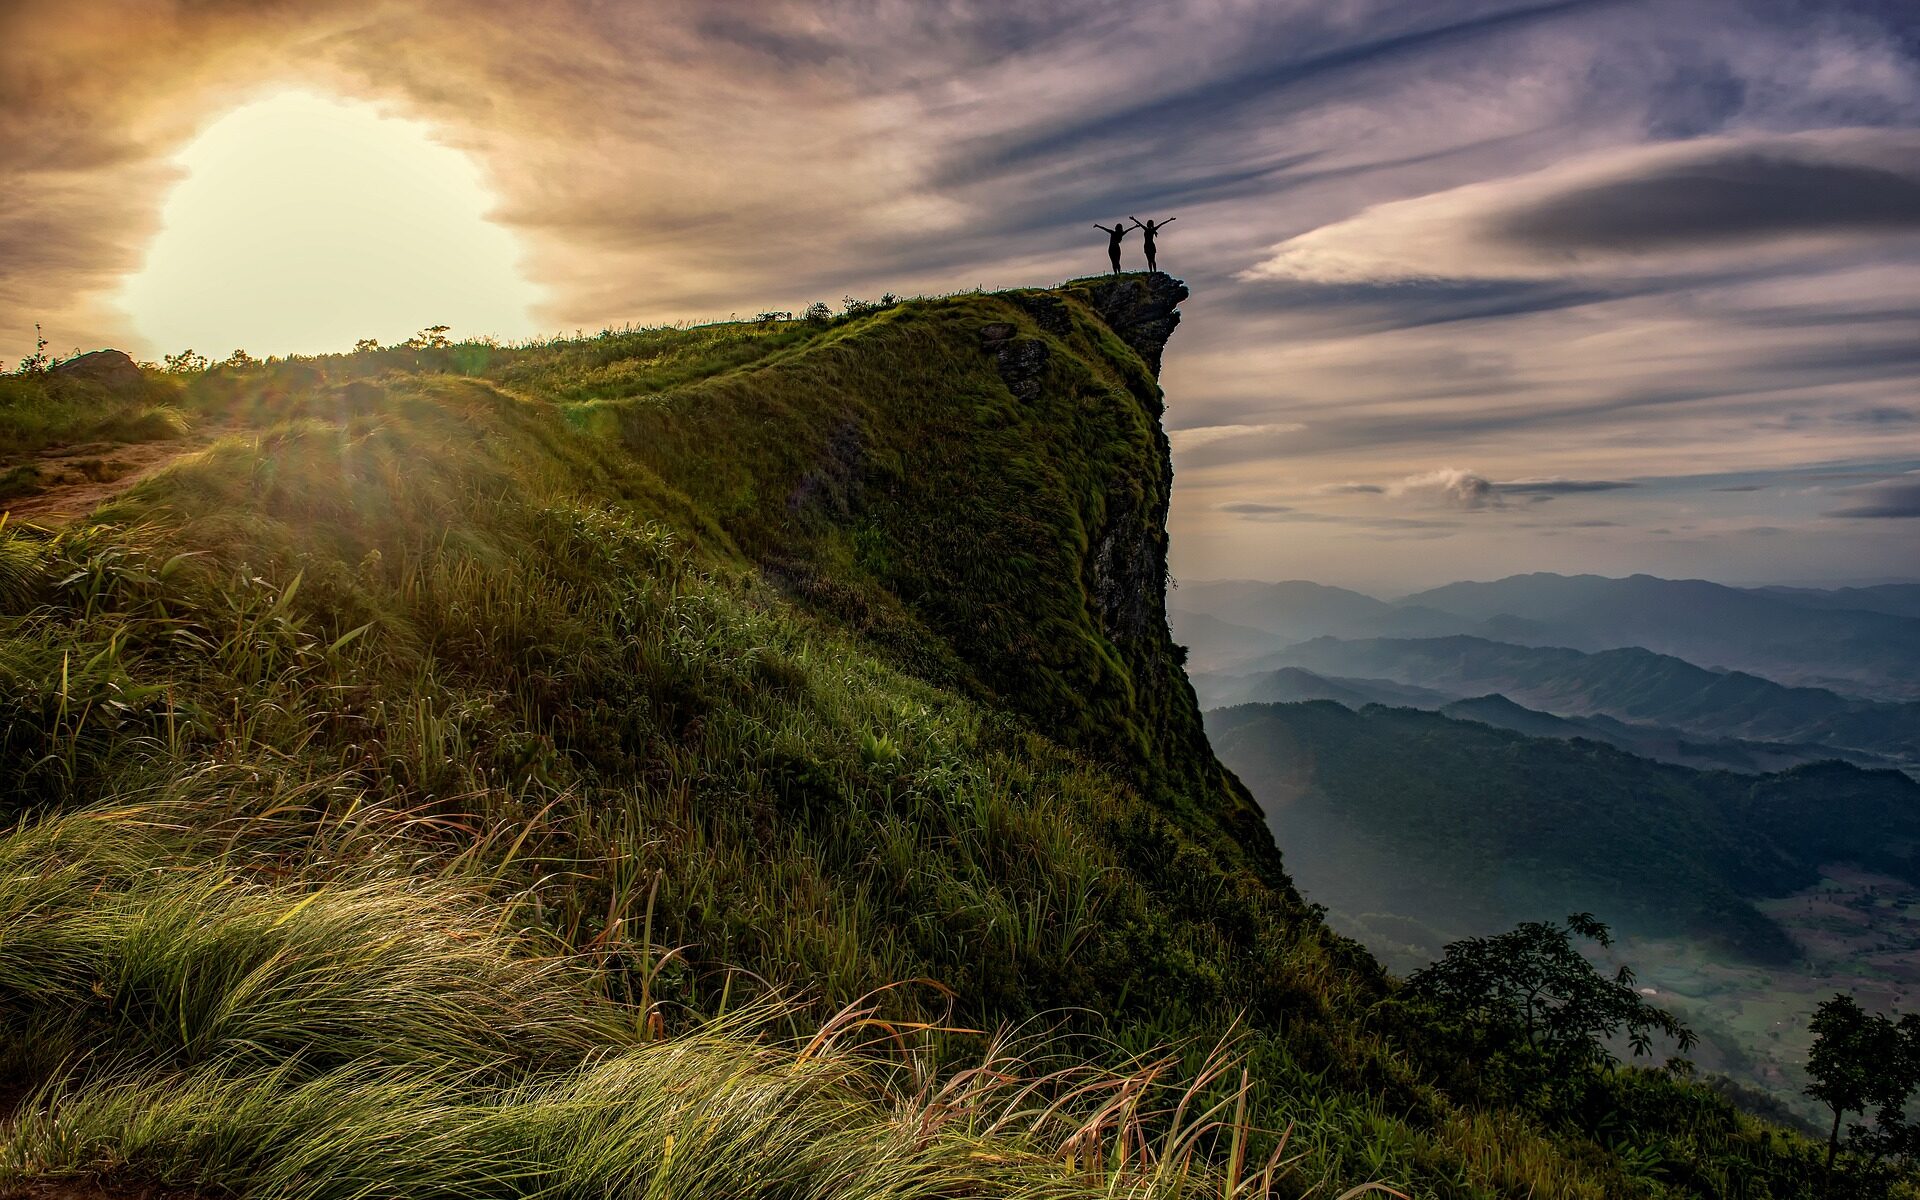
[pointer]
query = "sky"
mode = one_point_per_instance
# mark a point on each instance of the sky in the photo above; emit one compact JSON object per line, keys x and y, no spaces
{"x":1479,"y":286}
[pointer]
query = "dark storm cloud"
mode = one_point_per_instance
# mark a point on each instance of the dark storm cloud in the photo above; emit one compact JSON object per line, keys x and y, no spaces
{"x":1730,"y":197}
{"x":1894,"y":499}
{"x":1648,"y":217}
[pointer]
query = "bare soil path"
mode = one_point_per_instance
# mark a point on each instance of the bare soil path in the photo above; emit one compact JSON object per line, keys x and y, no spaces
{"x":71,"y":481}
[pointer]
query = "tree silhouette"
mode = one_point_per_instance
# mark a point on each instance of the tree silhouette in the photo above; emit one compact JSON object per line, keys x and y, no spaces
{"x":1533,"y":983}
{"x":1863,"y":1061}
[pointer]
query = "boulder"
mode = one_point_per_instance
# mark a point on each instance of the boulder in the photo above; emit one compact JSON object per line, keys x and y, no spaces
{"x":112,"y":369}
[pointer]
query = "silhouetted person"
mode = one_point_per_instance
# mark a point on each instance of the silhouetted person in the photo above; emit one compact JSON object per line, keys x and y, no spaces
{"x":1119,"y":230}
{"x":1149,"y":228}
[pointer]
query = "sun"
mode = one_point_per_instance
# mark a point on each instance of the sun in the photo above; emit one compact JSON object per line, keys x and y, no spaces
{"x":303,"y":223}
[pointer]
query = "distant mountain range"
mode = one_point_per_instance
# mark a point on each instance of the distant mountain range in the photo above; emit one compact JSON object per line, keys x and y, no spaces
{"x":1657,"y":742}
{"x":1290,"y":684}
{"x":1630,"y":685}
{"x":1857,"y":641}
{"x":1424,"y":827}
{"x":1894,"y":599}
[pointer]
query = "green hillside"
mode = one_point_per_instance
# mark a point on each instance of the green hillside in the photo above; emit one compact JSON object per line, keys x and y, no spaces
{"x":737,"y":760}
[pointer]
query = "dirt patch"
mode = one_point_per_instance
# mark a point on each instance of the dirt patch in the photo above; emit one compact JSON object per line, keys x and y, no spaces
{"x":60,"y":486}
{"x":90,"y":1189}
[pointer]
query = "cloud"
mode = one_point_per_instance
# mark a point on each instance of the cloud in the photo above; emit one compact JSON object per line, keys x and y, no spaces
{"x":1349,"y":489}
{"x":1448,"y":486}
{"x":1455,"y":488}
{"x":1560,"y":487}
{"x":1885,"y":414}
{"x":1706,"y":205}
{"x":1206,"y":435}
{"x":1894,"y":499}
{"x":1494,"y":252}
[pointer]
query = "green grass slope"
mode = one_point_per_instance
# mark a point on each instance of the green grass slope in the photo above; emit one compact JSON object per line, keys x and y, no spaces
{"x":676,"y":762}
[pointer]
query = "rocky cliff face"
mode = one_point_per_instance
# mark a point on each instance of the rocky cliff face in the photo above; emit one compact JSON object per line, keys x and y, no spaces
{"x":1129,"y":574}
{"x":981,"y":483}
{"x":1142,"y":309}
{"x":1127,"y":570}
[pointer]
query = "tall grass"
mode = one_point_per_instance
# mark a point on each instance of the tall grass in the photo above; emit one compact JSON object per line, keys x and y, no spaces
{"x":442,"y":756}
{"x":377,"y":1032}
{"x":39,"y":410}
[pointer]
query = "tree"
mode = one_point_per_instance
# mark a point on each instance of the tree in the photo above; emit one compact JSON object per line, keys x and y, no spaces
{"x":186,"y":362}
{"x":433,"y":337}
{"x":1863,"y":1060}
{"x":1533,"y":984}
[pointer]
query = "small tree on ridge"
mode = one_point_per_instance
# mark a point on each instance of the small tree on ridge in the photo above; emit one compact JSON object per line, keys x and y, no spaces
{"x":1533,"y":984}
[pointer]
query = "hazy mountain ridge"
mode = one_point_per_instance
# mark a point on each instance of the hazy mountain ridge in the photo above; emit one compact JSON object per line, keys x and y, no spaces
{"x":1287,"y":685}
{"x":1656,"y":742}
{"x":1801,"y":637}
{"x":1893,"y":599}
{"x":1629,"y":684}
{"x":1871,"y":653}
{"x":1469,"y":828}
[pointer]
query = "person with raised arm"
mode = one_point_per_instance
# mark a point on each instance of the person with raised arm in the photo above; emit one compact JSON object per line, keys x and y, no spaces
{"x":1120,"y":229}
{"x":1149,"y":228}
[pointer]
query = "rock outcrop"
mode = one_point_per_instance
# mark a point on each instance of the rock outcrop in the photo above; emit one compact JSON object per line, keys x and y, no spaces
{"x":1143,"y":309}
{"x":112,"y":369}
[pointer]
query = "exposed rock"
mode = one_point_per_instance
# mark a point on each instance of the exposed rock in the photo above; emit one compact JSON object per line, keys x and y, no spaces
{"x":1022,"y":363}
{"x":109,"y":368}
{"x":1048,"y":311}
{"x":1142,"y":309}
{"x":1129,"y":578}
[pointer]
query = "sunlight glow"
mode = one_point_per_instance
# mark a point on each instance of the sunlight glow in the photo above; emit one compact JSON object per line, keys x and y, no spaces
{"x":305,"y":223}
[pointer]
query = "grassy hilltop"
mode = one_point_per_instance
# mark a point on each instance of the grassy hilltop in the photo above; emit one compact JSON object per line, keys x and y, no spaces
{"x":737,"y":760}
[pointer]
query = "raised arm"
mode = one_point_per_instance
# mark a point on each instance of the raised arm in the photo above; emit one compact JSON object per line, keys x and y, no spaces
{"x":1170,"y":220}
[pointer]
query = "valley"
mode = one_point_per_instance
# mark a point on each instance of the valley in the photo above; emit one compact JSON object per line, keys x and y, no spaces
{"x":1756,"y":844}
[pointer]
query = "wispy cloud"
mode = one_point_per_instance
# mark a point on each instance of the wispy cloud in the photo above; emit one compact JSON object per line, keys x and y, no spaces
{"x":1205,"y":435}
{"x":1574,"y":244}
{"x":1705,"y":205}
